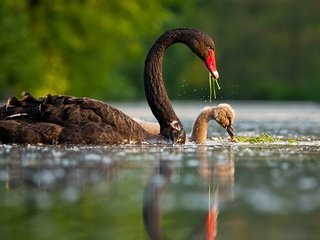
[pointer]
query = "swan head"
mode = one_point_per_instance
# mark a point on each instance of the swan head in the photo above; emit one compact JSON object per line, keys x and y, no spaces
{"x":224,"y":115}
{"x":203,"y":46}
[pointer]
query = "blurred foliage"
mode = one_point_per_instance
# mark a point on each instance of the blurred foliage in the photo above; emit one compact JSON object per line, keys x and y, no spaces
{"x":265,"y":49}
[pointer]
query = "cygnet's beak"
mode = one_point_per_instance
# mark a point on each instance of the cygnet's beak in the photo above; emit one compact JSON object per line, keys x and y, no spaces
{"x":230,"y":131}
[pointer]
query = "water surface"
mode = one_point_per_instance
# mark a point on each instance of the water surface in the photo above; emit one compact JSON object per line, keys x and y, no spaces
{"x":220,"y":190}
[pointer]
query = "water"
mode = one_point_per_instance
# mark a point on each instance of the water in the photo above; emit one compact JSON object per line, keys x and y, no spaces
{"x":220,"y":190}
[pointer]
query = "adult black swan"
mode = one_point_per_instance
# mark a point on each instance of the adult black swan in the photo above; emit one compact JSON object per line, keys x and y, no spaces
{"x":66,"y":119}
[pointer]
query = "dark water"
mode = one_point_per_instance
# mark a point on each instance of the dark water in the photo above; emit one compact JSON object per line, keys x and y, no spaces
{"x":220,"y":190}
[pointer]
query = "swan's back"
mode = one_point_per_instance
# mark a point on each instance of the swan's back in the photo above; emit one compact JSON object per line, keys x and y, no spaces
{"x":66,"y":119}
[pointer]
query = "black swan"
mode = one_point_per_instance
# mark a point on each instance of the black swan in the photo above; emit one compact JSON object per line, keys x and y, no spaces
{"x":66,"y":119}
{"x":223,"y":114}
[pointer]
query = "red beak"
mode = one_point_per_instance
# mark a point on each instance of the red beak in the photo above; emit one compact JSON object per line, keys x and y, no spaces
{"x":211,"y":64}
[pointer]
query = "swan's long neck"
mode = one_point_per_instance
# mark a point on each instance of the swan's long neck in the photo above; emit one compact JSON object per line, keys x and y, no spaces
{"x":154,"y":87}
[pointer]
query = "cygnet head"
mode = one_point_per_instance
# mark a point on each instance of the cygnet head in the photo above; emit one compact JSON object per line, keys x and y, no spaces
{"x":224,"y":115}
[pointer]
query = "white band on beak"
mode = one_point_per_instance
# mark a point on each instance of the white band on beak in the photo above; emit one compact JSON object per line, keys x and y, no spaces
{"x":215,"y":74}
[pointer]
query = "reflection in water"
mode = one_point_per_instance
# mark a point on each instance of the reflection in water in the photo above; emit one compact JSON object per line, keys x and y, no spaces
{"x":217,"y":177}
{"x":151,"y":197}
{"x":52,"y":192}
{"x":44,"y":176}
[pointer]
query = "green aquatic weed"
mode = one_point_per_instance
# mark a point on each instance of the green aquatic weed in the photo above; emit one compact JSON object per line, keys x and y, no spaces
{"x":263,"y":138}
{"x":212,"y":84}
{"x":293,"y":141}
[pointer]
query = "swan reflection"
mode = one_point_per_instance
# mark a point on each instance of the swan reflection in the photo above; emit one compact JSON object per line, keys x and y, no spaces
{"x":217,"y":178}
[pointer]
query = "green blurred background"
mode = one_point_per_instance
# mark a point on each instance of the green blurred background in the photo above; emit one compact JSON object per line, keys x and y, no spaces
{"x":266,"y":50}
